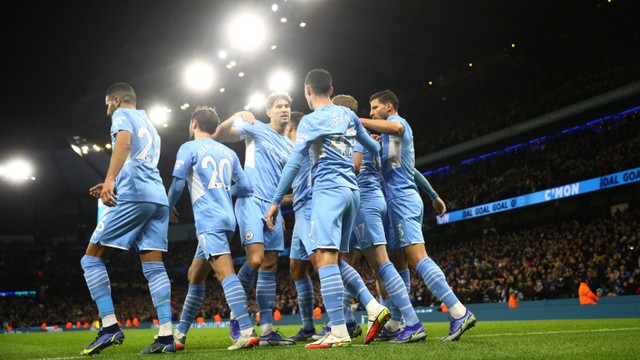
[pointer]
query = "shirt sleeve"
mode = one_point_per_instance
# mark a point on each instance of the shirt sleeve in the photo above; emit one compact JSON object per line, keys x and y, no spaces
{"x":245,"y":129}
{"x":184,"y":162}
{"x":120,"y":122}
{"x":363,"y":137}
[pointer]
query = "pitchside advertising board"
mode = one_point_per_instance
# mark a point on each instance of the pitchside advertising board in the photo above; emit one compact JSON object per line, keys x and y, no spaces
{"x":578,"y":188}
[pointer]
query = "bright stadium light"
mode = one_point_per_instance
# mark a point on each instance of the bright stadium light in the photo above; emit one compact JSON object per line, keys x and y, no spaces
{"x":246,"y":32}
{"x":222,"y":54}
{"x":199,"y":76}
{"x":159,"y":114}
{"x":17,"y":170}
{"x":280,"y":81}
{"x":255,"y":101}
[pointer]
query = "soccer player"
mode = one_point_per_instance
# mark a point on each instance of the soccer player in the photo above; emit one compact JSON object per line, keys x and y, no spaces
{"x":139,"y":217}
{"x":267,"y":151}
{"x":405,"y":207}
{"x":209,"y":168}
{"x":369,"y":234}
{"x":327,"y":136}
{"x":299,"y":257}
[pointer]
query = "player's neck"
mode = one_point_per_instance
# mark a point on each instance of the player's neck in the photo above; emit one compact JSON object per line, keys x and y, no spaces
{"x":280,"y":128}
{"x":199,"y":134}
{"x":319,"y":102}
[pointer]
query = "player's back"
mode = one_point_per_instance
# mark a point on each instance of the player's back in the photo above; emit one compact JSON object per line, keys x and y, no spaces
{"x":139,"y":180}
{"x":266,"y":155}
{"x":212,"y":168}
{"x":330,"y":132}
{"x":398,"y":161}
{"x":369,"y":177}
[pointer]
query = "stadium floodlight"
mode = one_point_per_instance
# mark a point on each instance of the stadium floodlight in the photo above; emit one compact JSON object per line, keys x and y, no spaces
{"x":17,"y":170}
{"x":246,"y":32}
{"x":159,"y":114}
{"x":77,"y":149}
{"x":280,"y":81}
{"x":222,"y":54}
{"x":256,"y":101}
{"x":199,"y":76}
{"x":274,"y":7}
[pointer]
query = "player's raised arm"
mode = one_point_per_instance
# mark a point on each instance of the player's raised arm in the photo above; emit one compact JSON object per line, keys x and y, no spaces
{"x":383,"y":126}
{"x":227,"y":133}
{"x":365,"y":139}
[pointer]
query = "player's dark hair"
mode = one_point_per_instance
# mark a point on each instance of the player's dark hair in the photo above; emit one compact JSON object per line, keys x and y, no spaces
{"x":124,"y":91}
{"x":295,"y":118}
{"x":347,"y":101}
{"x":320,"y":82}
{"x":271,"y":99}
{"x":386,"y":97}
{"x":207,"y":118}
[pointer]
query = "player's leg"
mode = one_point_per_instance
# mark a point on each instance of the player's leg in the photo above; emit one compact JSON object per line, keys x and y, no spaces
{"x":266,"y":285}
{"x":328,"y":206}
{"x":407,"y":220}
{"x":117,"y":230}
{"x":197,"y":275}
{"x":151,"y":243}
{"x":299,"y":262}
{"x":378,"y":314}
{"x":395,"y":287}
{"x":351,"y":258}
{"x":248,"y":215}
{"x":217,"y":248}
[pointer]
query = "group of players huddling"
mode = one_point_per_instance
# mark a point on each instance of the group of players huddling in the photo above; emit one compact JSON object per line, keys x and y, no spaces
{"x":354,"y":194}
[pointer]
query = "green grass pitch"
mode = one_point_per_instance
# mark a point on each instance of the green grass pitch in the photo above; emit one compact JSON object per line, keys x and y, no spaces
{"x":549,"y":339}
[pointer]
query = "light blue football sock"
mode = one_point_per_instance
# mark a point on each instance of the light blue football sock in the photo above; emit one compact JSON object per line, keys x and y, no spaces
{"x":354,"y":284}
{"x":304,"y":288}
{"x":95,"y":274}
{"x":332,"y":290}
{"x":160,"y":288}
{"x":247,"y":275}
{"x":192,"y":304}
{"x":398,"y":292}
{"x":266,"y":295}
{"x":237,"y":300}
{"x":436,"y":282}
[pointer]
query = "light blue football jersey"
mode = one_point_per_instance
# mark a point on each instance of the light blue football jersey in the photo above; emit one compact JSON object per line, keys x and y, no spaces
{"x":302,"y":189}
{"x":139,"y":180}
{"x":210,"y":168}
{"x":369,"y":177}
{"x":328,"y":133}
{"x":398,"y":161}
{"x":266,"y":154}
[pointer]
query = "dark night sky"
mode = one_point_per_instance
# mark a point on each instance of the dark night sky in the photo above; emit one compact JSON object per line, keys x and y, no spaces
{"x":59,"y":57}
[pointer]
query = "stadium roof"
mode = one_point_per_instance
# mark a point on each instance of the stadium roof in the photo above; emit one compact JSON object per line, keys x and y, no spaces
{"x":60,"y":57}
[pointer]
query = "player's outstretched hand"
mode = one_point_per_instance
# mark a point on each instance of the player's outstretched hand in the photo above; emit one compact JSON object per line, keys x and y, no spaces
{"x":173,"y":216}
{"x":271,"y":216}
{"x":96,"y":190}
{"x":247,"y":116}
{"x":439,"y":206}
{"x":108,"y":194}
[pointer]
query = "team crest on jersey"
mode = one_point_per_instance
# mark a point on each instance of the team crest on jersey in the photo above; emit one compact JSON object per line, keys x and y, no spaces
{"x":248,"y":235}
{"x":100,"y":226}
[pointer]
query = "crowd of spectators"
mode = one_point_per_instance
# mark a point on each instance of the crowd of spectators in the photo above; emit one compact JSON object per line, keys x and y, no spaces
{"x":598,"y":149}
{"x":543,"y":262}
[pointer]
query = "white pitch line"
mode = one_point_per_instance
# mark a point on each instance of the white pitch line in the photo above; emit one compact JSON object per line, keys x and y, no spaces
{"x":470,"y":335}
{"x":554,"y":332}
